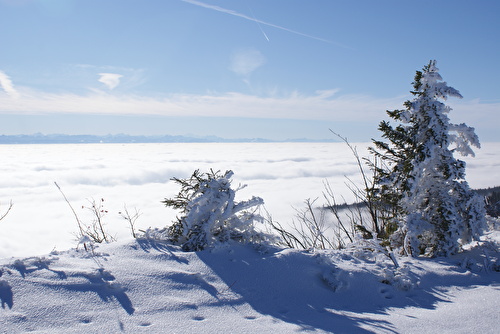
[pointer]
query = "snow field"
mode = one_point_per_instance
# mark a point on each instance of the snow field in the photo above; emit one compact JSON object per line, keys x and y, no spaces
{"x":148,"y":286}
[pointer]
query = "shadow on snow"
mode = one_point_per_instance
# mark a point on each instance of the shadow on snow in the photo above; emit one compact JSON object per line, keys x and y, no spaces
{"x":100,"y":281}
{"x":291,"y":286}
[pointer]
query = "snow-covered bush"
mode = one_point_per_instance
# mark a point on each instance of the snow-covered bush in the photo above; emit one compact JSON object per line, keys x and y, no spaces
{"x":209,"y":213}
{"x":401,"y":278}
{"x":436,"y":211}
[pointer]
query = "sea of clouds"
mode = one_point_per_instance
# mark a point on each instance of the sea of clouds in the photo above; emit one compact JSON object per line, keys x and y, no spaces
{"x":138,"y":176}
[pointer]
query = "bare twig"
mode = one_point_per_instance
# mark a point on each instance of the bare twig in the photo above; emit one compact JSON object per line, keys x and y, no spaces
{"x":7,"y":212}
{"x":130,"y":218}
{"x":79,"y":223}
{"x":287,"y":238}
{"x":96,"y":230}
{"x":365,"y":195}
{"x":332,"y":206}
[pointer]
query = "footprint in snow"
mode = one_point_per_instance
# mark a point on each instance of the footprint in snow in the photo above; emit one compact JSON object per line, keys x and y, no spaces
{"x":386,"y":293}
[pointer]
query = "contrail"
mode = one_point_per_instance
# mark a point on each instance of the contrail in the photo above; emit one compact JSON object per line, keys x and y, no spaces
{"x":234,"y":13}
{"x":258,"y":24}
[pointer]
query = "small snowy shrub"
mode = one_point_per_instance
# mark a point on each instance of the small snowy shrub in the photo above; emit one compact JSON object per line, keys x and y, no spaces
{"x":401,"y":278}
{"x":88,"y":234}
{"x":209,"y":213}
{"x":95,"y":230}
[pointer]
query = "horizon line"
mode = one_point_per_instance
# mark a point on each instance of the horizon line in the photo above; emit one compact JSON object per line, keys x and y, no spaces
{"x":41,"y":138}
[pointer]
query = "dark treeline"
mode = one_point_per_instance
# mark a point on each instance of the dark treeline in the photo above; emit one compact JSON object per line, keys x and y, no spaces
{"x":492,"y":200}
{"x":491,"y":196}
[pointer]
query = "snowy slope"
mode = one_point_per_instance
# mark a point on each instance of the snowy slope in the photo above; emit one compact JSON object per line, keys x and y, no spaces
{"x":146,"y":286}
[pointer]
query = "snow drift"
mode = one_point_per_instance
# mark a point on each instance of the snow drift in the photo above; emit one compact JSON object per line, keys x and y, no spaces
{"x":149,"y":286}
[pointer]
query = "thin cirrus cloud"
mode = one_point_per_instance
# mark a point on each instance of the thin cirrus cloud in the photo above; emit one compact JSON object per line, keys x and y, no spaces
{"x":245,"y":61}
{"x":7,"y":85}
{"x":323,"y":105}
{"x":328,"y":105}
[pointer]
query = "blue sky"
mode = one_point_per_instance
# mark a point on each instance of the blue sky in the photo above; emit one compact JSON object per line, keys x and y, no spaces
{"x":275,"y":69}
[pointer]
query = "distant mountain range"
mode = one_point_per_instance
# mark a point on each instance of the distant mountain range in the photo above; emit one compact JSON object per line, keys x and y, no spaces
{"x":39,"y":138}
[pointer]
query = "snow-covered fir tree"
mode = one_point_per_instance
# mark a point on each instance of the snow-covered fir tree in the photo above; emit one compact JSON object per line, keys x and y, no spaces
{"x":210,"y":214}
{"x":435,"y":211}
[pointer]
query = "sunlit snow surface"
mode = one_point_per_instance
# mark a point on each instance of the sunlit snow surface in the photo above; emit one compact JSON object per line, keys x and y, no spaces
{"x":148,"y":286}
{"x":138,"y":176}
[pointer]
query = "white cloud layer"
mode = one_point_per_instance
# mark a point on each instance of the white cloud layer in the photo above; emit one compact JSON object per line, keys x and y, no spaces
{"x":323,"y":105}
{"x":111,"y":80}
{"x":7,"y":86}
{"x":283,"y":174}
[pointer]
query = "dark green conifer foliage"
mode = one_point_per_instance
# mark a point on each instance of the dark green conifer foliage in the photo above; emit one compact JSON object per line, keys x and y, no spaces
{"x":433,"y":210}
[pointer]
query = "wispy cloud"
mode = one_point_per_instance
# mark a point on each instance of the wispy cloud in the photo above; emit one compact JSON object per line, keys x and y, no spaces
{"x":323,"y":105}
{"x":253,"y":19}
{"x":245,"y":61}
{"x":111,"y":80}
{"x":328,"y":105}
{"x":108,"y":75}
{"x":7,"y":86}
